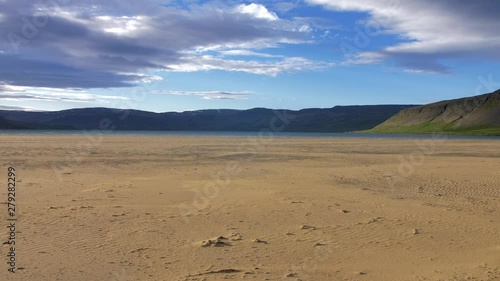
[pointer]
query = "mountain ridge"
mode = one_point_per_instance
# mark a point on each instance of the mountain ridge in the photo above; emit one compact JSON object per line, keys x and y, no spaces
{"x":335,"y":119}
{"x":470,"y":115}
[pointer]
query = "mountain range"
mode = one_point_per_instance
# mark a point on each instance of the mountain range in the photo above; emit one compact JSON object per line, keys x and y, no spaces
{"x":336,"y":119}
{"x":478,"y":115}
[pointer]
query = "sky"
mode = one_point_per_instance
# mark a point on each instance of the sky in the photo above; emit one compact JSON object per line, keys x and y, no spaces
{"x":183,"y":55}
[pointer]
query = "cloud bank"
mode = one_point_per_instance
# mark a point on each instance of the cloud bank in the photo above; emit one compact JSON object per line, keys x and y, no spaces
{"x":107,"y":44}
{"x":431,"y":31}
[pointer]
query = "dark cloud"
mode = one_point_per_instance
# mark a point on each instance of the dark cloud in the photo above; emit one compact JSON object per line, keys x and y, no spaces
{"x":420,"y":63}
{"x":91,"y":44}
{"x":19,"y":71}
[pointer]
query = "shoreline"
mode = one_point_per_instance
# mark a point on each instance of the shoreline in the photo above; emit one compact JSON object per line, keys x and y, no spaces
{"x":231,"y":134}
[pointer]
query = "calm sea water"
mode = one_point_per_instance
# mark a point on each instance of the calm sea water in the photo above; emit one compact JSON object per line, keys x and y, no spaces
{"x":232,"y":134}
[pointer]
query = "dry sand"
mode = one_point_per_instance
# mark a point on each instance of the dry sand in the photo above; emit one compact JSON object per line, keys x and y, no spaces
{"x":168,"y":208}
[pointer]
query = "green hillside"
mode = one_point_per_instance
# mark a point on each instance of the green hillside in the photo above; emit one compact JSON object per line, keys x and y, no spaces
{"x":479,"y":115}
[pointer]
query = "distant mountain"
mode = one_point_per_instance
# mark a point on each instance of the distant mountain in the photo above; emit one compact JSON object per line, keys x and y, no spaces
{"x":336,"y":119}
{"x":8,"y":124}
{"x":15,"y":125}
{"x":479,"y":115}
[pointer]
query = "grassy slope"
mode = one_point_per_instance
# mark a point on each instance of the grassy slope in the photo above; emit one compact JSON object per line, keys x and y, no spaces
{"x":437,"y":128}
{"x":427,"y":119}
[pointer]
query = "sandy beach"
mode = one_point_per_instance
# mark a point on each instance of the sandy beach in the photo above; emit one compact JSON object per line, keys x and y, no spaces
{"x":199,"y":208}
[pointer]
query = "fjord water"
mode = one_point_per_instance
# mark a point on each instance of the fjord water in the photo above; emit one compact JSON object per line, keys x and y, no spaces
{"x":235,"y":134}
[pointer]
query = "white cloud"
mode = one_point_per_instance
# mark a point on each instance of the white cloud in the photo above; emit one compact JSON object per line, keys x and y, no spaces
{"x":285,"y":7}
{"x":143,"y":78}
{"x":364,"y":58}
{"x":431,"y":30}
{"x":240,"y":52}
{"x":258,"y":11}
{"x":123,"y":25}
{"x":257,"y":44}
{"x":20,"y":93}
{"x":19,"y":108}
{"x":305,"y":28}
{"x":270,"y":68}
{"x":208,"y":95}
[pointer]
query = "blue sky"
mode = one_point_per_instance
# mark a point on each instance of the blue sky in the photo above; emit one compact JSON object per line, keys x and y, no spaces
{"x":188,"y":55}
